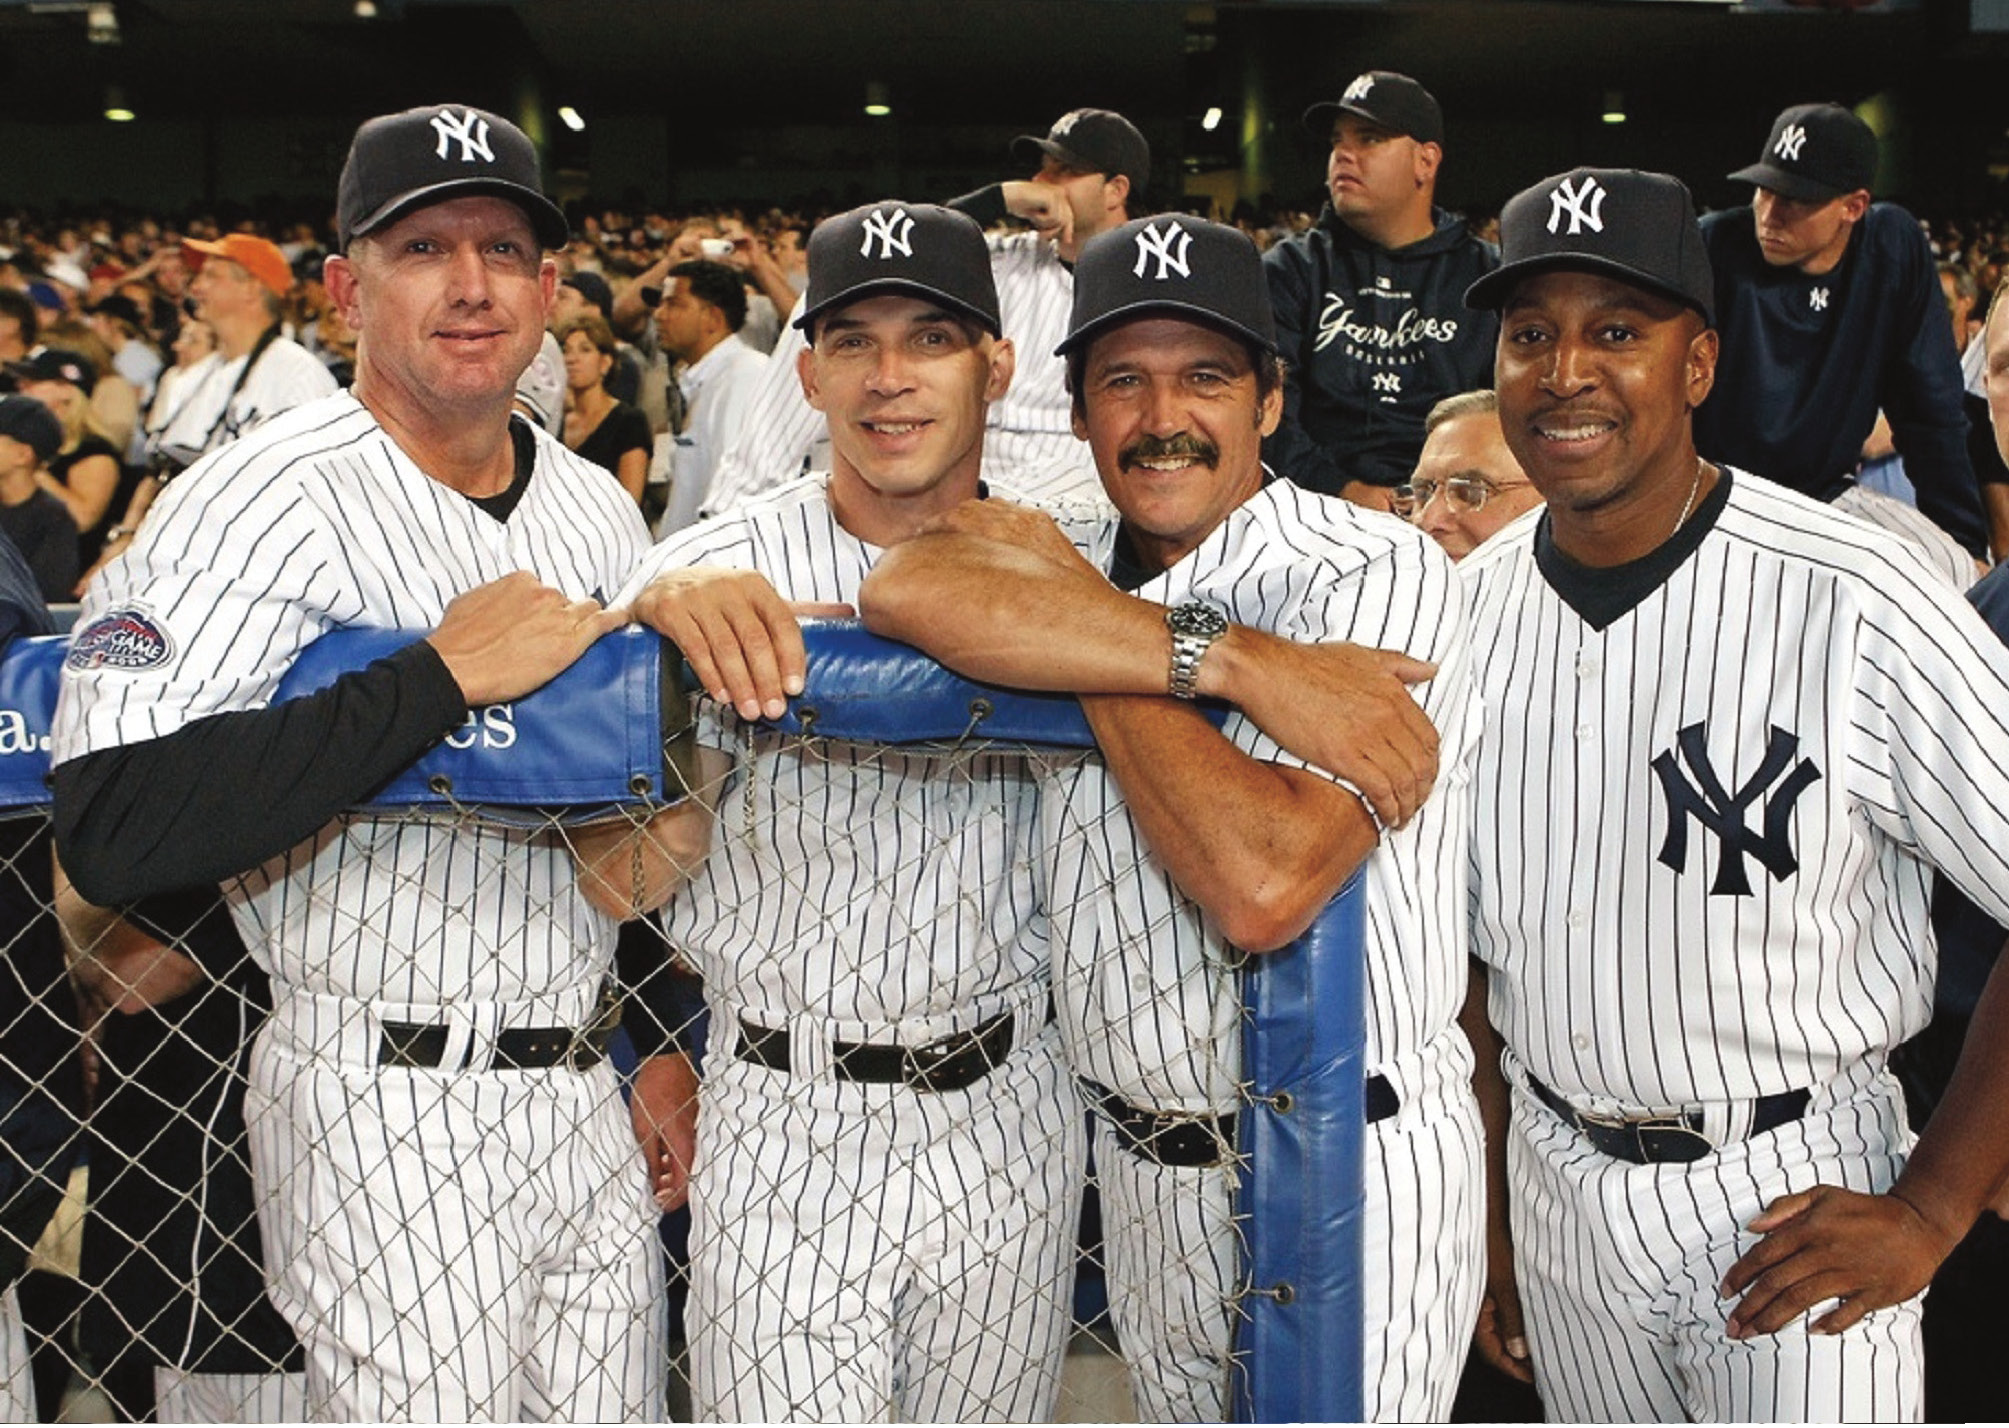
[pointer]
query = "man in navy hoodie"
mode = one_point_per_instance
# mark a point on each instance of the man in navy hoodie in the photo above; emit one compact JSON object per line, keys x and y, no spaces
{"x":1370,"y":303}
{"x":1830,"y":309}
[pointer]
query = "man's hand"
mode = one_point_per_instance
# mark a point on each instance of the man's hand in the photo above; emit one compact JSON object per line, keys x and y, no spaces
{"x":664,"y":1105}
{"x":127,"y":969}
{"x":627,"y":868}
{"x":503,"y":639}
{"x":1499,"y":1335}
{"x":1020,"y":528}
{"x":1366,"y":493}
{"x":742,"y":640}
{"x":1868,"y":1251}
{"x":1043,"y":205}
{"x":1340,"y":707}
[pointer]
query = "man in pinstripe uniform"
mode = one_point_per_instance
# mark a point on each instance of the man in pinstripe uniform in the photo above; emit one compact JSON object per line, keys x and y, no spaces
{"x":1089,"y":174}
{"x":1187,"y":846}
{"x":888,"y":1165}
{"x":1732,"y":731}
{"x":454,"y":1207}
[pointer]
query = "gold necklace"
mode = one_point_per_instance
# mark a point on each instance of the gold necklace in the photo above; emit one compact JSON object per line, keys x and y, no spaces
{"x":1689,"y":505}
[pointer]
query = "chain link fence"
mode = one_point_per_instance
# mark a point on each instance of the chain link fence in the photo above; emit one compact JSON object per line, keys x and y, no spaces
{"x":970,"y":1076}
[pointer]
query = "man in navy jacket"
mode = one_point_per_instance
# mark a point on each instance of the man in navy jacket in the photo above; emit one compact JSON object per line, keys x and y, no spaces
{"x":1830,"y":310}
{"x":1370,"y":309}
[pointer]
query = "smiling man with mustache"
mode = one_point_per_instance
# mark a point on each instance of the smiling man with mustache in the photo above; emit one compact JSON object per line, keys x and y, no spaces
{"x":1188,"y":846}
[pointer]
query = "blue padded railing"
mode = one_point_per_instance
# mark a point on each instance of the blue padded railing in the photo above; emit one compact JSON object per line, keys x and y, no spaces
{"x":595,"y":736}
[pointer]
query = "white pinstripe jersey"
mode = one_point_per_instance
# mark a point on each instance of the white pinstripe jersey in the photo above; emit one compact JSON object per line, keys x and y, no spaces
{"x":1141,"y":978}
{"x":1029,"y":442}
{"x":1801,"y":682}
{"x":316,"y":521}
{"x":854,"y":884}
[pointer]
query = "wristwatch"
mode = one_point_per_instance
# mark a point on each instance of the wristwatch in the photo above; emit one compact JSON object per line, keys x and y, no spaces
{"x":1194,"y":627}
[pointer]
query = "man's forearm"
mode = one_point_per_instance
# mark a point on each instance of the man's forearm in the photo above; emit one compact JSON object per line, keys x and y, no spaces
{"x":1961,"y":1161}
{"x":1007,"y":616}
{"x":1262,"y":847}
{"x":225,"y":793}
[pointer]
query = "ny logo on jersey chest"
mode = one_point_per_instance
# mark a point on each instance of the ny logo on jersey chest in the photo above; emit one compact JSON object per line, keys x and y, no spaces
{"x":1723,"y":812}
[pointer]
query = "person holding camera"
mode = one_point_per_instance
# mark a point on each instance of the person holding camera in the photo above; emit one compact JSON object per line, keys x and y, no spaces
{"x":255,"y":373}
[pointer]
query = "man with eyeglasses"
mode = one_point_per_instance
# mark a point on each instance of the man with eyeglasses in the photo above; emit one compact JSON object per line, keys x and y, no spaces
{"x":1467,"y":484}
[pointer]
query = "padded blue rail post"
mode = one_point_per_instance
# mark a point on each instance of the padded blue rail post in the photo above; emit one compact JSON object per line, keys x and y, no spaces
{"x":1299,"y":1356}
{"x":593,"y":737}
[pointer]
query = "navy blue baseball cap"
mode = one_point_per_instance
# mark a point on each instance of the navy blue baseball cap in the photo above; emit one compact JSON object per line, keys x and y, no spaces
{"x":1093,"y":141}
{"x":402,"y":162}
{"x":1381,"y":96}
{"x":1638,"y":227}
{"x":894,"y":247}
{"x":32,"y":424}
{"x":1172,"y":265}
{"x":1815,"y":152}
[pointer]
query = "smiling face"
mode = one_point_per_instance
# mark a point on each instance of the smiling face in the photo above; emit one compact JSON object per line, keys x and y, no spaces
{"x":1597,"y":380}
{"x":904,"y":384}
{"x":1172,"y":412}
{"x":450,"y":304}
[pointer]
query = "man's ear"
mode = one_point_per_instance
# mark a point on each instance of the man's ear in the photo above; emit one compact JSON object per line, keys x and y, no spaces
{"x":805,"y":371}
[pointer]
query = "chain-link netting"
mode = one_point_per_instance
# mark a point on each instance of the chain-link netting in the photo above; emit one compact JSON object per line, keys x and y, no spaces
{"x":964,"y":1145}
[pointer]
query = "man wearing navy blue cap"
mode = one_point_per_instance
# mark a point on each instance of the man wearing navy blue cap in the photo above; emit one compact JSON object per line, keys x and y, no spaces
{"x":889,"y":1156}
{"x":435,"y":1036}
{"x":1369,"y":316}
{"x":1187,"y":845}
{"x":1730,"y":731}
{"x":1830,"y":311}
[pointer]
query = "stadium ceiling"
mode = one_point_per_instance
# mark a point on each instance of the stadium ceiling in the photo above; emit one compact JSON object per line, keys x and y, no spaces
{"x":780,"y":62}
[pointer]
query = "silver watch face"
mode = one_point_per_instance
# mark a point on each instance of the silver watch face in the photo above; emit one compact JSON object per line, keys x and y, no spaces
{"x":1201,"y":621}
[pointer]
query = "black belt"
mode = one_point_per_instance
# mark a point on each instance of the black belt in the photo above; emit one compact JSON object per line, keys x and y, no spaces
{"x":1178,"y":1139}
{"x":948,"y":1063}
{"x":1168,"y":1137}
{"x":420,"y":1046}
{"x":1659,"y":1140}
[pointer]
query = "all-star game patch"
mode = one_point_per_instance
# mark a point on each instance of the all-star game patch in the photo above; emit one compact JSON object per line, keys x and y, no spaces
{"x":123,"y":639}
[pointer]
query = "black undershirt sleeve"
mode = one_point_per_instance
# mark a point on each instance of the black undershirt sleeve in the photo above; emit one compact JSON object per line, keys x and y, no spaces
{"x":986,"y":206}
{"x":223,"y":794}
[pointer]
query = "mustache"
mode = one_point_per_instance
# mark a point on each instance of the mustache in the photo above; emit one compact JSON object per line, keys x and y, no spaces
{"x":1158,"y":448}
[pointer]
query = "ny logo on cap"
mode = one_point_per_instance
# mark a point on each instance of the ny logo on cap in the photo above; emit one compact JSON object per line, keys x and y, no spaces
{"x":894,"y":232}
{"x":1153,"y":242}
{"x":470,"y":131}
{"x":1065,"y":122}
{"x":1584,"y":204}
{"x":1357,"y":91}
{"x":1791,"y":139}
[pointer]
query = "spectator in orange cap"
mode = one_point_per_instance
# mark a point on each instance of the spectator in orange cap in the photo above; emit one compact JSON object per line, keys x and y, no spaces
{"x":255,"y":372}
